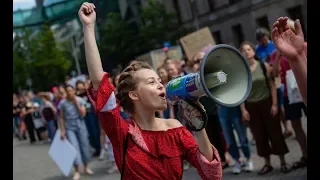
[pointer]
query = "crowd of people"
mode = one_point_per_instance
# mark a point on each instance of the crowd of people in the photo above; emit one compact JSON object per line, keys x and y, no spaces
{"x":38,"y":115}
{"x":86,"y":115}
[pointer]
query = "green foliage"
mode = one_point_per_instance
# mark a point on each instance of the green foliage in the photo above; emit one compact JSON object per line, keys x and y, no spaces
{"x":116,"y":38}
{"x":123,"y":42}
{"x":159,"y":25}
{"x":38,"y":57}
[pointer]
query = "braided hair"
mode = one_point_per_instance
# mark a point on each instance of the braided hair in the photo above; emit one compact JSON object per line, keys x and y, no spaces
{"x":128,"y":82}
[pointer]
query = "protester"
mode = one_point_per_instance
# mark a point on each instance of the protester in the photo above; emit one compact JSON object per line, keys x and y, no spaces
{"x":17,"y":106}
{"x":172,"y":70}
{"x":91,"y":119}
{"x":293,"y":111}
{"x":230,"y":120}
{"x":67,"y":80}
{"x":156,"y":146}
{"x":39,"y":123}
{"x":164,"y":76}
{"x":265,"y":46}
{"x":292,"y":46}
{"x":196,"y":59}
{"x":280,"y":94}
{"x":28,"y":119}
{"x":261,"y":112}
{"x":213,"y":127}
{"x":48,"y":112}
{"x":115,"y":82}
{"x":62,"y":92}
{"x":55,"y":101}
{"x":72,"y":125}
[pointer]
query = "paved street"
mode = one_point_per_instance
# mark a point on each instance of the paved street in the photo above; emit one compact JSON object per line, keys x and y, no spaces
{"x":33,"y":163}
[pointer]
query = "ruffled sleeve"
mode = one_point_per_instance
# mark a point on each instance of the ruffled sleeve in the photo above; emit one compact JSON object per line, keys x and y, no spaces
{"x":108,"y":110}
{"x":206,"y":169}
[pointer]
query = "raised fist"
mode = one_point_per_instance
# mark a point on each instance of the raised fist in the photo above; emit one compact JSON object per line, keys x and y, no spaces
{"x":87,"y":14}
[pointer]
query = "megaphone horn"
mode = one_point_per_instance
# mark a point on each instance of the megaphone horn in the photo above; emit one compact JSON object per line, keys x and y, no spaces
{"x":224,"y":76}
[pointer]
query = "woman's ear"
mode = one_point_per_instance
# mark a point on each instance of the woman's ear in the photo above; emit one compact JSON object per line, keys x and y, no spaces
{"x":133,"y":95}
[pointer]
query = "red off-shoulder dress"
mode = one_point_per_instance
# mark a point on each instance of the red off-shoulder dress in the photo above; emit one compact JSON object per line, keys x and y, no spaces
{"x":150,"y":154}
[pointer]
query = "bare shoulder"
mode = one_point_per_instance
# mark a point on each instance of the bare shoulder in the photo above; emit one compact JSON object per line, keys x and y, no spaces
{"x":172,"y":123}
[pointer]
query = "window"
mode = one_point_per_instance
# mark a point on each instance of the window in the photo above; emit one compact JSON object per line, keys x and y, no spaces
{"x":237,"y":34}
{"x":217,"y":37}
{"x":263,"y":22}
{"x":194,"y":8}
{"x":296,"y":13}
{"x":184,"y":10}
{"x":211,"y":5}
{"x":177,"y":9}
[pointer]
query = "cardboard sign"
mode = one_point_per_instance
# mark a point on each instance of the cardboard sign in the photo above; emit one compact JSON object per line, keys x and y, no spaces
{"x":156,"y":57}
{"x":62,"y":153}
{"x":159,"y":55}
{"x":196,"y":41}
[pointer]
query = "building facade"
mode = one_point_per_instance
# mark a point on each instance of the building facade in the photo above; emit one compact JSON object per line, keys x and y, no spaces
{"x":233,"y":21}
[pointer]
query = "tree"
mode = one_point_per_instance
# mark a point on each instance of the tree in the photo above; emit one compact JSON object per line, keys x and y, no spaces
{"x":40,"y":59}
{"x":20,"y":65}
{"x":159,"y":25}
{"x":117,"y":38}
{"x":122,"y":41}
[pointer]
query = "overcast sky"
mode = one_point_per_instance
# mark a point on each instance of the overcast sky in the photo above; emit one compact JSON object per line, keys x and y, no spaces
{"x":23,"y":4}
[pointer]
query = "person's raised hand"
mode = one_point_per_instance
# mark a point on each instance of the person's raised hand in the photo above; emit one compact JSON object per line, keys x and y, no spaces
{"x":288,"y":43}
{"x":87,"y":14}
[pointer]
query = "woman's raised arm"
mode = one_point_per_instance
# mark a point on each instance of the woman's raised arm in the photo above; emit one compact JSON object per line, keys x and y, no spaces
{"x":87,"y":16}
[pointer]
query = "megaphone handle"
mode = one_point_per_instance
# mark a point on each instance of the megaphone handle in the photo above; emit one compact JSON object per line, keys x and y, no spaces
{"x":202,"y":112}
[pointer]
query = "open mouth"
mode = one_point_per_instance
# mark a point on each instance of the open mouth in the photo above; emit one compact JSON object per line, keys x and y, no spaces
{"x":162,"y":95}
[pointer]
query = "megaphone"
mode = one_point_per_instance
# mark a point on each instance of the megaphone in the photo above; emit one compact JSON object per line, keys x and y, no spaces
{"x":224,"y":76}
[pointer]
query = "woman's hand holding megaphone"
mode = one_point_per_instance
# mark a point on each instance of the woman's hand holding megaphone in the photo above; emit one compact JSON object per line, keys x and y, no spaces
{"x":193,"y":113}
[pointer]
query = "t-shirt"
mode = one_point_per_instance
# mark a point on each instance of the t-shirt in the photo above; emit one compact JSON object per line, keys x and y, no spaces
{"x":260,"y":90}
{"x":69,"y":108}
{"x":264,"y":51}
